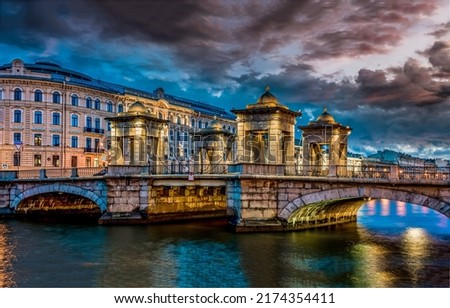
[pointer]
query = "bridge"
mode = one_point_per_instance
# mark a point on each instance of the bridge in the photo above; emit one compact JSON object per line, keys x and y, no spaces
{"x":254,"y":197}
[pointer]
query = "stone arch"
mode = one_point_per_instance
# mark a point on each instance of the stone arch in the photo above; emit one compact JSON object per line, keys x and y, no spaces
{"x":63,"y":188}
{"x":363,"y":193}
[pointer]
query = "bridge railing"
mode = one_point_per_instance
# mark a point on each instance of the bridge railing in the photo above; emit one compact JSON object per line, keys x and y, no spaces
{"x":55,"y":173}
{"x":424,"y":173}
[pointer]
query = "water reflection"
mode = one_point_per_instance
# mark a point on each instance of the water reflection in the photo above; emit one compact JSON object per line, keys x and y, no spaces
{"x":6,"y":255}
{"x":393,"y":244}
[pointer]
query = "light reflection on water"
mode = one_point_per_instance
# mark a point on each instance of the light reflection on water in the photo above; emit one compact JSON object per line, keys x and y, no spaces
{"x":393,"y":244}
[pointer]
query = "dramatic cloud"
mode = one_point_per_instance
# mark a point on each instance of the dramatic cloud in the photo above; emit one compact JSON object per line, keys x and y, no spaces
{"x":374,"y":64}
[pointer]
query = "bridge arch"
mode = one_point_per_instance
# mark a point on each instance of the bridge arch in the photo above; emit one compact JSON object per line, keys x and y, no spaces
{"x":348,"y":201}
{"x":60,"y":188}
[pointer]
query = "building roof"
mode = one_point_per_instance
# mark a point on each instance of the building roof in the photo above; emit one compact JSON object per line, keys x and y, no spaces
{"x":57,"y":73}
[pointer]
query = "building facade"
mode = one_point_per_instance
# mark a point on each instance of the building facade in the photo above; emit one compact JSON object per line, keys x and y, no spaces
{"x":52,"y":117}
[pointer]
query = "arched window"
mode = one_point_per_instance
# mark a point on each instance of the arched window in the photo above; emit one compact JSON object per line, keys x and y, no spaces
{"x":38,"y":117}
{"x":97,"y":123}
{"x":161,"y":116}
{"x":56,"y":97}
{"x":89,"y":122}
{"x":1,"y":93}
{"x":109,"y":106}
{"x":199,"y":123}
{"x":38,"y":96}
{"x":97,"y":104}
{"x":17,"y":118}
{"x":206,"y":124}
{"x":74,"y":99}
{"x":56,"y":140}
{"x":193,"y":123}
{"x":178,"y":120}
{"x":17,"y":94}
{"x":88,"y":102}
{"x":56,"y":118}
{"x":120,"y":108}
{"x":74,"y":120}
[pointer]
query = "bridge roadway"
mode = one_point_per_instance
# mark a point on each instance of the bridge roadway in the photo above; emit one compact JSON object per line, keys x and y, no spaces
{"x":251,"y":201}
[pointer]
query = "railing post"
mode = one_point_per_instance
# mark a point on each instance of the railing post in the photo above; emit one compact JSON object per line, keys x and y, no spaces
{"x":74,"y":173}
{"x":42,"y":174}
{"x":393,"y":175}
{"x":332,"y":170}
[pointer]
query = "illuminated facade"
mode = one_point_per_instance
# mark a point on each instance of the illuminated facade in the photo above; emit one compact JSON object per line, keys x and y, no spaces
{"x":52,"y":117}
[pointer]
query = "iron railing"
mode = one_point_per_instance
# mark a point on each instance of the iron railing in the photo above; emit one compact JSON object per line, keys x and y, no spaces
{"x":185,"y":167}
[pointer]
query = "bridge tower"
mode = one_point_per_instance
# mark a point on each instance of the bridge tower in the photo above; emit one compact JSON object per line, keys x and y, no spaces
{"x":137,"y":137}
{"x":265,"y":132}
{"x":212,"y":149}
{"x":325,"y":146}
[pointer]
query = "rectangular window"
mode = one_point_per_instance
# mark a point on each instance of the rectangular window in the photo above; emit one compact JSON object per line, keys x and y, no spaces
{"x":17,"y":116}
{"x":96,"y":144}
{"x":37,"y":139}
{"x":88,"y":162}
{"x":56,"y":140}
{"x":74,"y":120}
{"x":38,"y":117}
{"x":56,"y":119}
{"x":74,"y":142}
{"x":17,"y":137}
{"x":37,"y":160}
{"x":55,"y":160}
{"x":88,"y":143}
{"x":74,"y":100}
{"x":16,"y":159}
{"x":74,"y":162}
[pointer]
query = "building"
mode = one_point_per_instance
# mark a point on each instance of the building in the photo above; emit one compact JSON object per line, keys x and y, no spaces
{"x":53,"y":117}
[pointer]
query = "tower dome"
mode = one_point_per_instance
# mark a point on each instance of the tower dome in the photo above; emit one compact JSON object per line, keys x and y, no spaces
{"x":267,"y":98}
{"x":137,"y":107}
{"x":325,"y":117}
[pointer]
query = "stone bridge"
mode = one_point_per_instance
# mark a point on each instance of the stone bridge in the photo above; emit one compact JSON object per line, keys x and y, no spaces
{"x":283,"y":203}
{"x":252,"y":200}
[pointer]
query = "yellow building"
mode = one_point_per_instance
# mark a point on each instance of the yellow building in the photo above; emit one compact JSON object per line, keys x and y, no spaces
{"x":52,"y":117}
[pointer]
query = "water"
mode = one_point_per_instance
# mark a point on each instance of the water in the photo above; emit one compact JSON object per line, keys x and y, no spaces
{"x":393,"y":244}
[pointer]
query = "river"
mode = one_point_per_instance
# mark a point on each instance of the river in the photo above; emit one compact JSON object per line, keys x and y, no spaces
{"x":393,"y":244}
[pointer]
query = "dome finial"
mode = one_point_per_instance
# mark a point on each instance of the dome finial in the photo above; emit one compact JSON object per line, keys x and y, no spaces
{"x":267,"y":88}
{"x":325,"y":109}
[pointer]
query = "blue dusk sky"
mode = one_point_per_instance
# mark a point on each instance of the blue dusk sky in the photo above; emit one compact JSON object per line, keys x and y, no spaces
{"x":381,"y":67}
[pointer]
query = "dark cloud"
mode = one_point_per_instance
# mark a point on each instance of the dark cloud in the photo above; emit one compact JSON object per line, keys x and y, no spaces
{"x":441,"y":30}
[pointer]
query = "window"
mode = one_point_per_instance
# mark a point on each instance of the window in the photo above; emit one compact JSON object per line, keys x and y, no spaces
{"x":206,"y":124}
{"x":55,"y":160}
{"x":56,"y":97}
{"x":88,"y":102}
{"x":1,"y":94}
{"x":17,"y":94}
{"x":178,"y":120}
{"x":109,"y":106}
{"x":89,"y":122}
{"x":37,"y":139}
{"x":16,"y":159}
{"x":96,"y":144}
{"x":17,"y":118}
{"x":161,"y":116}
{"x":56,"y":140}
{"x":56,"y":118}
{"x":108,"y":126}
{"x":74,"y":120}
{"x":74,"y":142}
{"x":200,"y":124}
{"x":38,"y":117}
{"x":120,"y":108}
{"x":74,"y":162}
{"x":88,"y":143}
{"x":17,"y":138}
{"x":97,"y":104}
{"x":38,"y":96}
{"x":97,"y":123}
{"x":193,"y":123}
{"x":37,"y":160}
{"x":74,"y":100}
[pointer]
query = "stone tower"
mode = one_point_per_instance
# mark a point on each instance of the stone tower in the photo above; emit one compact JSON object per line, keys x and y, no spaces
{"x":325,"y":146}
{"x":212,"y":149}
{"x":265,"y":132}
{"x":137,"y":137}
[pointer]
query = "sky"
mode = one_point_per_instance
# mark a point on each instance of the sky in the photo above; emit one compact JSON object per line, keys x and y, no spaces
{"x":380,"y":67}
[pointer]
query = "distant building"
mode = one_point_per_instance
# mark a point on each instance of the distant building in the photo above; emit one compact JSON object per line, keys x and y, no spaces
{"x":55,"y":117}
